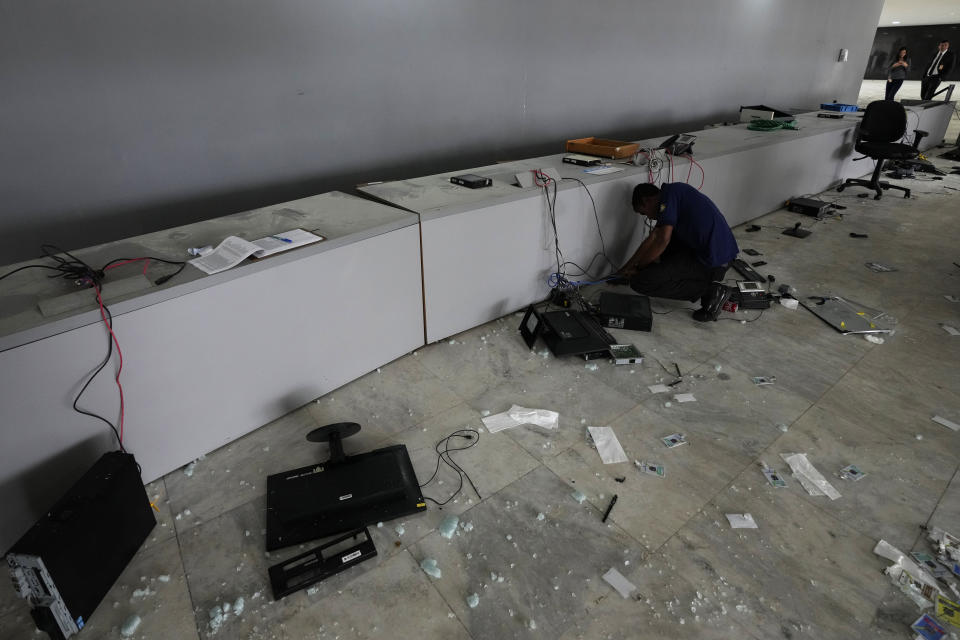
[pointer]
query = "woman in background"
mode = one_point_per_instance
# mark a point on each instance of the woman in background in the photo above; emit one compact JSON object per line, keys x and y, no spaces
{"x":897,"y":73}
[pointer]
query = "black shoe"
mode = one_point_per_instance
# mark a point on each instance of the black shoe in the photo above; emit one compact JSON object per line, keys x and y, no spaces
{"x":716,"y":296}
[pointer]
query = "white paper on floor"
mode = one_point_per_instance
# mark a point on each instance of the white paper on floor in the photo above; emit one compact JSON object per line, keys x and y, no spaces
{"x":517,"y":415}
{"x":607,"y":445}
{"x":913,"y":581}
{"x":658,"y":388}
{"x":741,"y":521}
{"x":808,"y":477}
{"x":949,"y":424}
{"x":684,"y":397}
{"x":952,"y":331}
{"x":616,"y":580}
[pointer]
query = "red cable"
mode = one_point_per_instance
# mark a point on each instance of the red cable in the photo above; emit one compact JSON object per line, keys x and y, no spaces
{"x":120,"y":264}
{"x":703,"y":174}
{"x":690,"y":168}
{"x":120,"y":353}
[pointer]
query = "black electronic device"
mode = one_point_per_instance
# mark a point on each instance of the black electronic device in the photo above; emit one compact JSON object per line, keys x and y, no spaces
{"x":583,"y":161}
{"x":67,"y":562}
{"x":471,"y":181}
{"x":747,"y":271}
{"x":808,"y":206}
{"x":621,"y":311}
{"x":832,"y":116}
{"x":747,"y":300}
{"x":796,"y":231}
{"x":342,"y":494}
{"x":564,"y":332}
{"x":320,"y":563}
{"x":752,"y":252}
{"x":679,"y":144}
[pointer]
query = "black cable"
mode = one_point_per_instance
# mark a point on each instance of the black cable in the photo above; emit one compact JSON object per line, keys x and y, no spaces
{"x":94,"y":375}
{"x":470,"y":434}
{"x":596,"y":216}
{"x":29,"y":266}
{"x":663,"y":313}
{"x":160,"y":280}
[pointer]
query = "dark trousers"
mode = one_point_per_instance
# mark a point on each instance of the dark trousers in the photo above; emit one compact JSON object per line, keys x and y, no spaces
{"x":892,"y":87}
{"x":678,"y":275}
{"x":928,"y":87}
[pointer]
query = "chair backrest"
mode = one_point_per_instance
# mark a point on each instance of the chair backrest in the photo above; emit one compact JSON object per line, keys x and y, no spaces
{"x":883,"y":121}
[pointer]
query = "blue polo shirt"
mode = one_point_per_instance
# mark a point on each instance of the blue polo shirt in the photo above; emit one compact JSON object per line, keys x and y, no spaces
{"x":697,"y":223}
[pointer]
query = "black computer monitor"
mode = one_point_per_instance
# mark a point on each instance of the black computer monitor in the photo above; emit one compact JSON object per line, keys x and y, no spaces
{"x":342,"y":494}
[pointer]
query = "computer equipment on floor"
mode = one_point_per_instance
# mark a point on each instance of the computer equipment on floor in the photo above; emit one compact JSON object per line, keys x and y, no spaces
{"x":565,"y":333}
{"x":67,"y":562}
{"x":622,"y":311}
{"x":747,"y":271}
{"x":343,"y":494}
{"x":808,"y":206}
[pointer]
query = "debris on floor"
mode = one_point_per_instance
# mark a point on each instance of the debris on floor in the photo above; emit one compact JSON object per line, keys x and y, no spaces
{"x":772,"y":476}
{"x":808,"y":476}
{"x":130,"y":626}
{"x":684,"y":397}
{"x":651,"y":468}
{"x":448,"y":526}
{"x":879,"y":267}
{"x":906,"y":574}
{"x":674,"y":440}
{"x":851,"y":472}
{"x":517,"y":415}
{"x":741,"y":521}
{"x":763,"y":380}
{"x":869,"y":337}
{"x":951,"y":330}
{"x":429,"y":566}
{"x":616,"y":580}
{"x":949,"y":424}
{"x":607,"y":444}
{"x":473,"y":600}
{"x":578,"y":496}
{"x":658,"y":388}
{"x":929,"y":628}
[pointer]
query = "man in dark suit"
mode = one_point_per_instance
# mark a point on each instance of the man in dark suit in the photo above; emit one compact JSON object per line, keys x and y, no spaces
{"x":939,"y":66}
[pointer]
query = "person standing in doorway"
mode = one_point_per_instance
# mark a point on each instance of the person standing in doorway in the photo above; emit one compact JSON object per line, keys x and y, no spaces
{"x":897,"y":73}
{"x":937,"y":69}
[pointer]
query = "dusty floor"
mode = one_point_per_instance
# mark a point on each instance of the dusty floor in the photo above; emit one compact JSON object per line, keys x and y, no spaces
{"x":808,"y":571}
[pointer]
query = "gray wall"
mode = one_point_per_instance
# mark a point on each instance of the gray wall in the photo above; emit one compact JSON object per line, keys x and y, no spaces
{"x":118,"y":118}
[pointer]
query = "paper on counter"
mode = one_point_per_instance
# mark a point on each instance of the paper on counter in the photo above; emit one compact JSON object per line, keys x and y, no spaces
{"x":658,"y":388}
{"x":599,"y":171}
{"x":949,"y":424}
{"x":228,"y":254}
{"x":616,"y":580}
{"x":684,"y":397}
{"x":741,"y":521}
{"x":607,"y":445}
{"x":811,"y":479}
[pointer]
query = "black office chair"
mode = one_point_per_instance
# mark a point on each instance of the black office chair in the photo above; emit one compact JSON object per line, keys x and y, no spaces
{"x":883,"y":124}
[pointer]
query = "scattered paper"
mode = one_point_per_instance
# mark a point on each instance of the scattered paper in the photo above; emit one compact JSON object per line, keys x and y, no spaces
{"x":517,"y":415}
{"x":599,"y":171}
{"x":950,"y":330}
{"x":952,"y":298}
{"x":949,"y":424}
{"x":616,"y":580}
{"x":773,"y":478}
{"x":808,"y":477}
{"x":741,"y":521}
{"x":928,"y":628}
{"x":789,"y":303}
{"x":658,"y":388}
{"x":233,"y":250}
{"x":684,"y":397}
{"x":607,"y":445}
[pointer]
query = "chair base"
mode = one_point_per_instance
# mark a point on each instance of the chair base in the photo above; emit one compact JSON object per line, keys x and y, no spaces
{"x":874,"y":183}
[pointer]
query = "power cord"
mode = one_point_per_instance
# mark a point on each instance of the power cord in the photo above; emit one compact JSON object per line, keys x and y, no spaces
{"x":469,"y":434}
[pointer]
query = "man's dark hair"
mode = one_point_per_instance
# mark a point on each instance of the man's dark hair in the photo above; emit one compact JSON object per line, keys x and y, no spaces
{"x":643,"y":191}
{"x":944,"y":40}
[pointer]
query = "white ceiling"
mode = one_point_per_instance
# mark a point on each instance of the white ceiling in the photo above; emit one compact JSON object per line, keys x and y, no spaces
{"x":916,"y":12}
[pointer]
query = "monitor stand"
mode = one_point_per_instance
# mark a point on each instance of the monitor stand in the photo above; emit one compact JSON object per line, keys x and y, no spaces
{"x":333,"y":434}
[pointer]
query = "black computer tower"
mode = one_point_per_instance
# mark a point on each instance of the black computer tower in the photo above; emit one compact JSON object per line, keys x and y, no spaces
{"x":623,"y":311}
{"x":67,"y":562}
